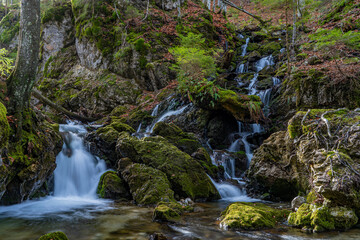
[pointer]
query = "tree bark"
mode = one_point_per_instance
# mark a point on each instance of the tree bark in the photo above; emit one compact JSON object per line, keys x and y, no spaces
{"x":22,"y":79}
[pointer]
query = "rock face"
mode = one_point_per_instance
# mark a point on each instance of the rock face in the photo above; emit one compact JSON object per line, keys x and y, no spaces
{"x":251,"y":216}
{"x":26,"y":165}
{"x":318,"y":152}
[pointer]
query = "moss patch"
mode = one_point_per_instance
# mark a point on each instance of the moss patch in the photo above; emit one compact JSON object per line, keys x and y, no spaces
{"x":54,"y":236}
{"x":251,"y":216}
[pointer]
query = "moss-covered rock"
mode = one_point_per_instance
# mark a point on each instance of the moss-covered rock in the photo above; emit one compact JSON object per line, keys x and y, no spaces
{"x":4,"y":128}
{"x":187,"y":177}
{"x":323,"y":218}
{"x":148,"y":185}
{"x":54,"y":236}
{"x":168,"y":212}
{"x":113,"y":187}
{"x":251,"y":216}
{"x":186,"y":142}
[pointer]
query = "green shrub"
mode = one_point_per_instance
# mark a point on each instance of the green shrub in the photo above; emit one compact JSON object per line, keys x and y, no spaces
{"x":194,"y":63}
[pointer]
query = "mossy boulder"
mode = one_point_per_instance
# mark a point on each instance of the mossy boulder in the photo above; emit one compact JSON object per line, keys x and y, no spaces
{"x":323,"y":218}
{"x":148,"y":185}
{"x":102,"y":142}
{"x":113,"y":187}
{"x":243,"y":107}
{"x":271,"y":48}
{"x":186,"y":175}
{"x":54,"y":236}
{"x":251,"y":216}
{"x":168,"y":212}
{"x":186,"y":142}
{"x":4,"y":127}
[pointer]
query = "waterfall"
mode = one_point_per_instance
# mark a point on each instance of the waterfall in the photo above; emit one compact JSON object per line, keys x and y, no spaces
{"x":244,"y":47}
{"x":77,"y":172}
{"x":75,"y":181}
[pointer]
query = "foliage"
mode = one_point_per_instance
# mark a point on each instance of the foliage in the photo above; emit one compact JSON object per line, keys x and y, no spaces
{"x":193,"y":64}
{"x":330,"y":37}
{"x":5,"y":63}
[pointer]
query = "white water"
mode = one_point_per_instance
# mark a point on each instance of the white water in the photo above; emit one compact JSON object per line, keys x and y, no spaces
{"x":244,"y":47}
{"x":76,"y":178}
{"x":164,"y":116}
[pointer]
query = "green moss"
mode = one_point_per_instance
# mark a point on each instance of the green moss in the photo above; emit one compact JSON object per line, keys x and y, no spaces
{"x":4,"y":127}
{"x":167,"y":212}
{"x":54,"y":236}
{"x":11,"y":25}
{"x":111,"y":186}
{"x":186,"y":142}
{"x":311,"y":197}
{"x":147,"y":185}
{"x":271,"y":48}
{"x":56,"y":13}
{"x":322,"y":218}
{"x":251,"y":216}
{"x":186,"y":175}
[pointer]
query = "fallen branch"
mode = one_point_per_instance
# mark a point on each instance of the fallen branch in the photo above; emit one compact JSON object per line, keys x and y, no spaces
{"x":37,"y":94}
{"x":231,"y":4}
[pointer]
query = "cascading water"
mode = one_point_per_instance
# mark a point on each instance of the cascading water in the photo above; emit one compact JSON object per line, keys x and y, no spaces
{"x":172,"y":110}
{"x":77,"y":172}
{"x":228,"y":191}
{"x":75,"y":181}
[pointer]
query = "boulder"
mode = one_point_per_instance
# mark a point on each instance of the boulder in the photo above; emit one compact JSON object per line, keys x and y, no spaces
{"x":186,"y":142}
{"x":323,"y":218}
{"x":307,"y":158}
{"x":297,"y":202}
{"x":54,"y":236}
{"x":148,"y":186}
{"x":186,"y":175}
{"x":251,"y":216}
{"x":111,"y":186}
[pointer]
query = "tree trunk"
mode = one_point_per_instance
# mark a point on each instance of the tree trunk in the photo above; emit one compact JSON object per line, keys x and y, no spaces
{"x":22,"y":79}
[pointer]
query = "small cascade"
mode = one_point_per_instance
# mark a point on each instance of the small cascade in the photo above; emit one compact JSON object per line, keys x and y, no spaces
{"x":244,"y":47}
{"x":172,"y":110}
{"x":75,"y":182}
{"x":77,"y":172}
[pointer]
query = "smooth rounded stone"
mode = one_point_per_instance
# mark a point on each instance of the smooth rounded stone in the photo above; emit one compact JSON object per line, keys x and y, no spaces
{"x":297,"y":202}
{"x":251,"y":216}
{"x":54,"y":236}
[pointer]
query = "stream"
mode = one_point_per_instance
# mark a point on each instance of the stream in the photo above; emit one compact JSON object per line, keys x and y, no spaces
{"x":75,"y":209}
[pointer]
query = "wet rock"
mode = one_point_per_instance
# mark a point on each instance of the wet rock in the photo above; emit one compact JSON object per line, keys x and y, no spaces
{"x":251,"y":216}
{"x":297,"y":202}
{"x":157,"y":236}
{"x":186,"y":142}
{"x":102,"y":142}
{"x":254,"y":56}
{"x":148,"y":186}
{"x":167,"y":212}
{"x":186,"y":175}
{"x":323,"y":218}
{"x":219,"y":127}
{"x":111,"y":186}
{"x":54,"y":236}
